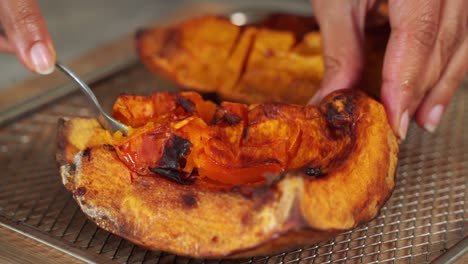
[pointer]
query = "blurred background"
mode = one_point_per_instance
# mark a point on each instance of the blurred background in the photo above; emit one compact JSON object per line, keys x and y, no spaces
{"x":78,"y":26}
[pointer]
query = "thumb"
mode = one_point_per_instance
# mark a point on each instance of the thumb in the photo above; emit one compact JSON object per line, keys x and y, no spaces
{"x":342,"y":29}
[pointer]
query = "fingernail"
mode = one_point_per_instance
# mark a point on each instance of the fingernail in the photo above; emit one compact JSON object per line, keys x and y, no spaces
{"x":433,"y":118}
{"x":404,"y":123}
{"x":41,"y":58}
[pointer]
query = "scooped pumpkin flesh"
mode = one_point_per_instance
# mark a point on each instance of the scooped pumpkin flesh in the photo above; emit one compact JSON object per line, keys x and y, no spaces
{"x":183,"y":137}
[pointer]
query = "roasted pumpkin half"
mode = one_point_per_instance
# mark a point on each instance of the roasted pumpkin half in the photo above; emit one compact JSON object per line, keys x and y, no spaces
{"x":230,"y":180}
{"x":278,"y":59}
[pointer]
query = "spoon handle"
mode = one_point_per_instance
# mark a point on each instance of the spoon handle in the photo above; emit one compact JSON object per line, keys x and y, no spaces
{"x":104,"y":119}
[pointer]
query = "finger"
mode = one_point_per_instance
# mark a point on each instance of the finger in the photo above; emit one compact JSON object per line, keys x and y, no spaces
{"x":26,"y":31}
{"x":436,"y":101}
{"x":452,"y":56}
{"x":406,"y":72}
{"x":342,"y":29}
{"x":5,"y":45}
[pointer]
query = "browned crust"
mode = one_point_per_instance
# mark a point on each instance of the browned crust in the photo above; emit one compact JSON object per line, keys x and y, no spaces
{"x":202,"y":221}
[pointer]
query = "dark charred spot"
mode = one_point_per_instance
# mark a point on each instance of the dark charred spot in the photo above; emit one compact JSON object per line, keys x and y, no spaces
{"x":222,"y":115}
{"x":340,"y":111}
{"x":215,"y":239}
{"x":232,"y":119}
{"x":314,"y":171}
{"x":175,"y":175}
{"x":109,"y":147}
{"x":211,"y":97}
{"x":182,"y":162}
{"x":245,"y":132}
{"x":332,"y":112}
{"x":189,"y":200}
{"x":348,"y":104}
{"x":80,"y":191}
{"x":87,"y":153}
{"x":175,"y":150}
{"x":218,"y":115}
{"x":173,"y":158}
{"x":186,"y":104}
{"x":339,"y":97}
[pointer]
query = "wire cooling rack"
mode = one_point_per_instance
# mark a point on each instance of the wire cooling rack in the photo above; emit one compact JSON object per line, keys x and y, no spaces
{"x":423,"y":220}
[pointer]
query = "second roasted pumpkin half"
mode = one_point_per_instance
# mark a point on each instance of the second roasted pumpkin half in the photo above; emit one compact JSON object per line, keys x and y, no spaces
{"x":278,"y":59}
{"x":231,"y":180}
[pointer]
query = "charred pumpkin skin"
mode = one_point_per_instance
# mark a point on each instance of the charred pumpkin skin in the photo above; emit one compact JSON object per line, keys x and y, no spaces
{"x":291,"y":210}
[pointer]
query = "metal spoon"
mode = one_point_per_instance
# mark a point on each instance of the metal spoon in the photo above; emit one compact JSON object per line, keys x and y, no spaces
{"x":104,"y":119}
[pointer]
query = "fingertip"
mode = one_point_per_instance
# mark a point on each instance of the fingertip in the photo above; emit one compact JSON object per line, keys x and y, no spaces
{"x":403,"y":125}
{"x":28,"y":36}
{"x":397,"y":112}
{"x":432,"y":120}
{"x":430,"y":113}
{"x":315,"y":100}
{"x":41,"y":58}
{"x":338,"y":78}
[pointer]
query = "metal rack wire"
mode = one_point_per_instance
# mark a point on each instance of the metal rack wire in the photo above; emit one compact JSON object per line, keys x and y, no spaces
{"x":424,"y":218}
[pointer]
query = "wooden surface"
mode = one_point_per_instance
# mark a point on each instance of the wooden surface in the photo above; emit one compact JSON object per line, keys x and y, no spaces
{"x":16,"y":248}
{"x":463,"y":260}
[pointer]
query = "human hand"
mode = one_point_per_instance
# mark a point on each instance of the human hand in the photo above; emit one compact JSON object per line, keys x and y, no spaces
{"x":25,"y":34}
{"x":425,"y":60}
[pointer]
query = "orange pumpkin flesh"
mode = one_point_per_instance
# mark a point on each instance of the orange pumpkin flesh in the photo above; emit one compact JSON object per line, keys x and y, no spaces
{"x":336,"y":166}
{"x":232,"y":144}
